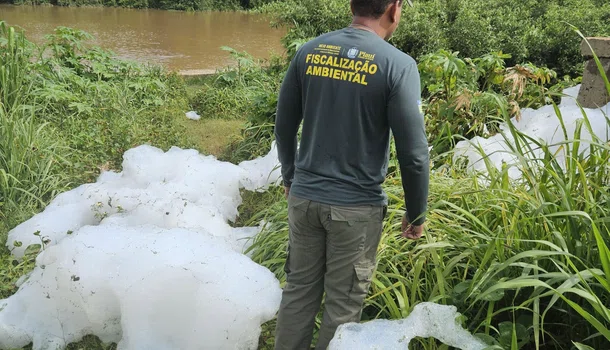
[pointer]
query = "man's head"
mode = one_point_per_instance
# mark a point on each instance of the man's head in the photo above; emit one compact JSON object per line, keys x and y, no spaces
{"x":385,"y":12}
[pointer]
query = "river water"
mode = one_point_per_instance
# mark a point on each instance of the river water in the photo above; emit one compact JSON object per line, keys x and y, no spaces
{"x":178,"y":40}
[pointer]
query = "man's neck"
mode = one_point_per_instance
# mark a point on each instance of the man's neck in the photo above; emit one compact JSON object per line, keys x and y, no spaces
{"x":368,"y":24}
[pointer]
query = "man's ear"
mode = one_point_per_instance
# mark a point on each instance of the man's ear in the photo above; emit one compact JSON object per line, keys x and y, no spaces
{"x":393,"y":10}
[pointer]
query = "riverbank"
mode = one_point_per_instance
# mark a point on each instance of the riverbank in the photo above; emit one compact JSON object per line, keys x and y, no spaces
{"x":178,"y":41}
{"x":84,"y":109}
{"x":87,"y":108}
{"x":179,"y":5}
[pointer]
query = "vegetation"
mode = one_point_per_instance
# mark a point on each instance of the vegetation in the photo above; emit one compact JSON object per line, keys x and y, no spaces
{"x":530,"y":31}
{"x":247,"y":92}
{"x":526,"y":262}
{"x":68,"y":111}
{"x":466,"y":97}
{"x":68,"y":114}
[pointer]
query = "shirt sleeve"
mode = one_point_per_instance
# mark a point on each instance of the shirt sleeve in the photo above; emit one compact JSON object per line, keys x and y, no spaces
{"x":407,"y":124}
{"x":287,"y":121}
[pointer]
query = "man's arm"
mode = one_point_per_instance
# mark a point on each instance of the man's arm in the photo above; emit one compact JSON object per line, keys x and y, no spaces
{"x":407,"y":124}
{"x":287,"y":121}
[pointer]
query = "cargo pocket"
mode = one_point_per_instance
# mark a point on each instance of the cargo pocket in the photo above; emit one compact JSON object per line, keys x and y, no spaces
{"x":361,"y":281}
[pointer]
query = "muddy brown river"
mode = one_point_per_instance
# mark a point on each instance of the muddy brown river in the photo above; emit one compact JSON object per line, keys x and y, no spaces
{"x":178,"y":40}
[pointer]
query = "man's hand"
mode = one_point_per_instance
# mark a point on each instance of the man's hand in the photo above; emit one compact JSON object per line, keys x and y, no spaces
{"x":409,"y":231}
{"x":286,"y":191}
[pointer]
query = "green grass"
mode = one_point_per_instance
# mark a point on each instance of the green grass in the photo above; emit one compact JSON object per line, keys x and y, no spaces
{"x":244,"y":95}
{"x":526,"y":262}
{"x":211,"y":136}
{"x":237,"y":92}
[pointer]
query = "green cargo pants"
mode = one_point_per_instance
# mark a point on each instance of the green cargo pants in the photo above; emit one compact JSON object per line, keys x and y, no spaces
{"x":331,"y":249}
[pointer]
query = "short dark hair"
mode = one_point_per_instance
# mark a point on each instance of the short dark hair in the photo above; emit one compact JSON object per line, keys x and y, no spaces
{"x":371,"y":8}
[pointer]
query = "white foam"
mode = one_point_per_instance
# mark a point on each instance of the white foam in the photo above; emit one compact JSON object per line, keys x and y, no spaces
{"x":427,"y":320}
{"x":178,"y":188}
{"x":259,"y":176}
{"x":193,"y":115}
{"x":144,"y":287}
{"x":541,"y":124}
{"x":146,"y":258}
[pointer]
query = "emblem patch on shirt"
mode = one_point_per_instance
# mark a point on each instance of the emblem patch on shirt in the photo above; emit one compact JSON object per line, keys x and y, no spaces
{"x":353,"y":52}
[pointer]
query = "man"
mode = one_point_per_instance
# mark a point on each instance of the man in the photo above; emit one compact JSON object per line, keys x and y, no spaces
{"x":350,"y":88}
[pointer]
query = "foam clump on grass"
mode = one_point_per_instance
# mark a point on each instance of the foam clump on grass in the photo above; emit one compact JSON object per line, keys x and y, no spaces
{"x":427,"y":320}
{"x":542,"y":124}
{"x":146,"y":258}
{"x":272,"y":172}
{"x":178,"y":188}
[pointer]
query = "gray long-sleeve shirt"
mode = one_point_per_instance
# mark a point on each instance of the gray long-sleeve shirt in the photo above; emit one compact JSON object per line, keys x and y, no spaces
{"x":350,"y":88}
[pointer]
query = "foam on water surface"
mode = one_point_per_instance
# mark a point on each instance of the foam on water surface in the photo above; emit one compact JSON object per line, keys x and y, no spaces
{"x":427,"y":320}
{"x":146,"y":258}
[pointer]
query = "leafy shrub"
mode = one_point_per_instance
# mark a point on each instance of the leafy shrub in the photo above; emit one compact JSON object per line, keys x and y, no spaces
{"x":472,"y":34}
{"x":308,"y":18}
{"x":466,"y":97}
{"x":554,"y":44}
{"x":421,"y":29}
